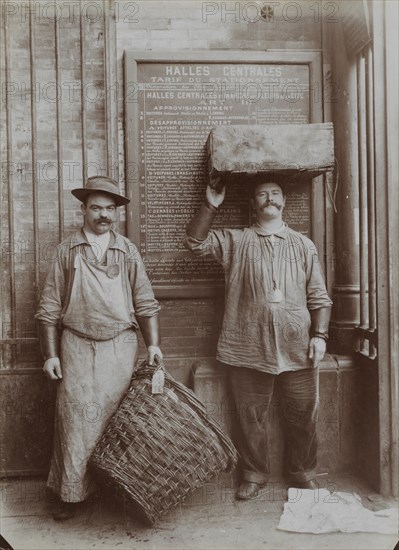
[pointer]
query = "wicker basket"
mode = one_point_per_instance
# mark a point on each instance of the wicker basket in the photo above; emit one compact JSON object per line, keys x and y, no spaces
{"x":157,"y":449}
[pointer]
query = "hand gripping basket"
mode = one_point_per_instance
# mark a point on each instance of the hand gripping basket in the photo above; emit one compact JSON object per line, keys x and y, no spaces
{"x":159,"y":448}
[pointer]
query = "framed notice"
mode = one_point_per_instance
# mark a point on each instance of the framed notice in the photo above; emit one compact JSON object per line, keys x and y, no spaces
{"x":172,"y":100}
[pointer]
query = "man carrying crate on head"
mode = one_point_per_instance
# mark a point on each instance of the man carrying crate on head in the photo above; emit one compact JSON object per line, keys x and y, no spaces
{"x":97,"y":295}
{"x":274,"y":329}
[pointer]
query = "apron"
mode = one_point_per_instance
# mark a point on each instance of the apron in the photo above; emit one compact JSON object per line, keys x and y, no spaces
{"x":97,"y":306}
{"x":96,"y":374}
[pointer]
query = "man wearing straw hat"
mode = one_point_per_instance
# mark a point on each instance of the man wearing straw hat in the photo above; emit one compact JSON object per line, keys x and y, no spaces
{"x":274,"y":329}
{"x":95,"y":298}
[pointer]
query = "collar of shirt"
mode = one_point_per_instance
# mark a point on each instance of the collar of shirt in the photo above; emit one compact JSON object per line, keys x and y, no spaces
{"x":282,"y":232}
{"x":98,"y":243}
{"x":115,"y":240}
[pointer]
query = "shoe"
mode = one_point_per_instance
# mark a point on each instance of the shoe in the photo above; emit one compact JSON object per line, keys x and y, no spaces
{"x":309,"y":484}
{"x":249,"y":490}
{"x":51,"y":496}
{"x":94,"y":497}
{"x":65,"y":510}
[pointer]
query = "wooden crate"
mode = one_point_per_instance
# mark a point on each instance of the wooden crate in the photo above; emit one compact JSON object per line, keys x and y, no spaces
{"x":286,"y":149}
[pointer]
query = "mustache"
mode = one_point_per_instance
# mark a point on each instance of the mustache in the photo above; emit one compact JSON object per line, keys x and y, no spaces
{"x":102,"y":220}
{"x":271,"y":203}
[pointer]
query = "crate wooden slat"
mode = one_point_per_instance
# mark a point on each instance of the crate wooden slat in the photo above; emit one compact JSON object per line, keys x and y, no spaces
{"x":285,"y":149}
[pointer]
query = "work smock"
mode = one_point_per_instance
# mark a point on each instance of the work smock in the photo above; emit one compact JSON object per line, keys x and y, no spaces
{"x":256,"y":332}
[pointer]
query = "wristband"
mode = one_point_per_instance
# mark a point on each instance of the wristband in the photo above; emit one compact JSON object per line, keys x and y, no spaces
{"x":211,"y":206}
{"x":323,"y":335}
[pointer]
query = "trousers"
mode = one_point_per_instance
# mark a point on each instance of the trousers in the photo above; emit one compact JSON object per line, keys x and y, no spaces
{"x":297,"y":411}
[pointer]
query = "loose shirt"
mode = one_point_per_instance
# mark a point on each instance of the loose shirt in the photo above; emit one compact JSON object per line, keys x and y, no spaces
{"x":257,"y":333}
{"x":121,"y":255}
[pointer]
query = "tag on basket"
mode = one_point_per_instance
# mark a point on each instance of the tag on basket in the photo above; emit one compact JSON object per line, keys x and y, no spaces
{"x":158,"y":380}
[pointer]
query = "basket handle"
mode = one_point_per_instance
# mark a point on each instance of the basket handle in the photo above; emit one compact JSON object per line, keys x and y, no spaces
{"x":158,"y":363}
{"x":158,"y":380}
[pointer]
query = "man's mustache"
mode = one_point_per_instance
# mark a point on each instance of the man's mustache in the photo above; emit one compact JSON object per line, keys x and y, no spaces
{"x":102,"y":220}
{"x":271,"y":203}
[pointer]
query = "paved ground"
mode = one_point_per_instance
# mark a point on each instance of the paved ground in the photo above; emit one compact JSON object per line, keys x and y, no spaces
{"x":211,"y":519}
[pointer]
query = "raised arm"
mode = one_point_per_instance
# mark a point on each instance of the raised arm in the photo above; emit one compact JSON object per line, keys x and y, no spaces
{"x":199,"y":226}
{"x":198,"y":238}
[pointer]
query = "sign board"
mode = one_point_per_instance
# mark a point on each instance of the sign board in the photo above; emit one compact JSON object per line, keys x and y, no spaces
{"x":171,"y":104}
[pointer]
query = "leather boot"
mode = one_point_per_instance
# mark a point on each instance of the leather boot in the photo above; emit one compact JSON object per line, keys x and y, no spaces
{"x":249,"y":490}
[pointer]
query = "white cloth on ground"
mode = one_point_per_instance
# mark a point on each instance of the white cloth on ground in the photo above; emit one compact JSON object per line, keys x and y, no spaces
{"x":319,"y":511}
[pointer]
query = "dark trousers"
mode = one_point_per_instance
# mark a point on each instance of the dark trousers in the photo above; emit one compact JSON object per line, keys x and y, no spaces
{"x":298,"y":406}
